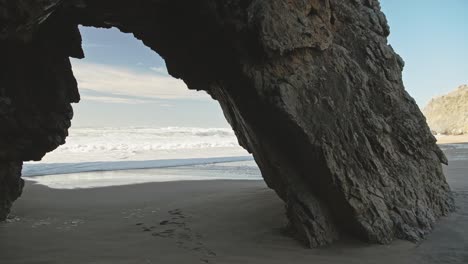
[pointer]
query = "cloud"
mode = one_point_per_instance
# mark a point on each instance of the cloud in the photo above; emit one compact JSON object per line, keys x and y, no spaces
{"x":160,"y":70}
{"x":125,"y":82}
{"x":112,"y":100}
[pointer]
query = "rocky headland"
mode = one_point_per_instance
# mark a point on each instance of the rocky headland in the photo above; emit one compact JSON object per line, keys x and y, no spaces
{"x":448,"y":114}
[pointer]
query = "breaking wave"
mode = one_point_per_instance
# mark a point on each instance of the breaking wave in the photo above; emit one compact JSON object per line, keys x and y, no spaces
{"x":145,"y":143}
{"x":102,"y":149}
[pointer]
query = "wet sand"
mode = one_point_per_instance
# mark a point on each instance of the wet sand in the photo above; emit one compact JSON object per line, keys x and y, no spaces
{"x":198,"y":222}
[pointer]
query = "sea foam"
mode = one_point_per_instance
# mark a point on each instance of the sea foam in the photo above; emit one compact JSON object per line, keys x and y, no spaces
{"x":128,"y":148}
{"x":145,"y":143}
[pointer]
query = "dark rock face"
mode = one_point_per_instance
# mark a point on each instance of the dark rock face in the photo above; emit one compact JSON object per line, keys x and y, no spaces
{"x":310,"y":87}
{"x":11,"y":186}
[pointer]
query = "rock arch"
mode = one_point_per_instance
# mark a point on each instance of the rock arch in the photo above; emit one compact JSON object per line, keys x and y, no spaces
{"x":310,"y":87}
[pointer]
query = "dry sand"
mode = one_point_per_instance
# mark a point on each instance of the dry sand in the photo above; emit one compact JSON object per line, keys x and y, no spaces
{"x":451,"y":139}
{"x":197,"y":222}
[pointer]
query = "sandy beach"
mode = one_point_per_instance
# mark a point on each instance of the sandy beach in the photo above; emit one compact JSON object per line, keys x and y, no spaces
{"x":451,"y":139}
{"x":198,"y":222}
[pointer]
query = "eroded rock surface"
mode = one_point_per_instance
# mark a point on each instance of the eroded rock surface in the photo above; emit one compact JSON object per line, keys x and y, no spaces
{"x":11,"y":186}
{"x":310,"y":87}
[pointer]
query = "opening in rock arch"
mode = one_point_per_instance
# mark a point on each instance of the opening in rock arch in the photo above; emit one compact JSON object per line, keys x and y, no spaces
{"x":311,"y":88}
{"x":133,"y":115}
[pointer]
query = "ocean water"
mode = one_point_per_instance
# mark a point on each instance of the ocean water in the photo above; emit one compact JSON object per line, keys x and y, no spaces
{"x":99,"y":157}
{"x":455,"y":151}
{"x":145,"y":143}
{"x":232,"y":170}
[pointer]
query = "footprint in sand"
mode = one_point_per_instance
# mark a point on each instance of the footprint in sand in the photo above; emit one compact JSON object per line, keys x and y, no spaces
{"x":71,"y":224}
{"x":42,"y":222}
{"x":177,"y":228}
{"x":139,"y":213}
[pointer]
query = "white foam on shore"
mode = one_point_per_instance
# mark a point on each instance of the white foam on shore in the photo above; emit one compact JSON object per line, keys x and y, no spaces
{"x":145,"y":143}
{"x":104,"y":149}
{"x":99,"y":157}
{"x":239,"y":170}
{"x":39,"y":169}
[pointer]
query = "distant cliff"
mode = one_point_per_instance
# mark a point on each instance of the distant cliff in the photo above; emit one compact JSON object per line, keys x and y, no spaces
{"x":448,"y":114}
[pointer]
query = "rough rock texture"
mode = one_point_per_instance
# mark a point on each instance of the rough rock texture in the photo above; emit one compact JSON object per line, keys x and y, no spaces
{"x":448,"y":114}
{"x":11,"y":185}
{"x":310,"y":87}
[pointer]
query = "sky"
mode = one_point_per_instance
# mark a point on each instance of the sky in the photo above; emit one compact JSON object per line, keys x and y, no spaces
{"x":124,"y":83}
{"x":432,"y":38}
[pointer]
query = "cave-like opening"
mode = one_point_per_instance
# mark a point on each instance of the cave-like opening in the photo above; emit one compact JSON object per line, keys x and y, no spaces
{"x":133,"y":115}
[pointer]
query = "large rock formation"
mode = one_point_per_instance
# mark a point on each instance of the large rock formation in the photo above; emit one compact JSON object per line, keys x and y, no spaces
{"x":11,"y":185}
{"x":310,"y":87}
{"x":448,"y":114}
